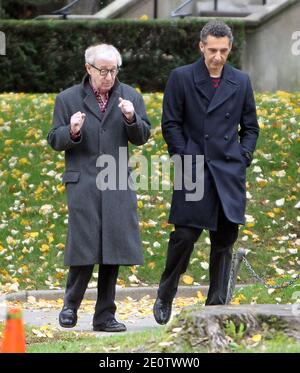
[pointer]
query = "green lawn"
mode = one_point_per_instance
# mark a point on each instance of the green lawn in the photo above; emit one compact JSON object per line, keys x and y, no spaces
{"x":33,"y":207}
{"x":154,"y":340}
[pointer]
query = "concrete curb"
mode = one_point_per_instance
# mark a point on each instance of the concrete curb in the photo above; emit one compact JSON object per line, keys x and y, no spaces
{"x":121,"y":293}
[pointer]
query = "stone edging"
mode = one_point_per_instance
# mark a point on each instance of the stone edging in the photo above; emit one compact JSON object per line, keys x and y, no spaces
{"x":122,"y":293}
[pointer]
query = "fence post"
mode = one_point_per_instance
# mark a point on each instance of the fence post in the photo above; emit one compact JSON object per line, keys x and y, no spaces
{"x":237,"y":258}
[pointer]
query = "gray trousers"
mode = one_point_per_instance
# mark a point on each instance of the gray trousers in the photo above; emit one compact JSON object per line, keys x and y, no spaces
{"x":77,"y":282}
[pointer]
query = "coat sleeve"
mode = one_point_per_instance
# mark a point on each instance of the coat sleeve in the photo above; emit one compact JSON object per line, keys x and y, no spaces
{"x":59,"y":137}
{"x":173,"y":115}
{"x":249,"y":126}
{"x":138,"y":132}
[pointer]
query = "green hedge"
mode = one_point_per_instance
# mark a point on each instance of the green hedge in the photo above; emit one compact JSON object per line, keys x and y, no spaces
{"x":48,"y":56}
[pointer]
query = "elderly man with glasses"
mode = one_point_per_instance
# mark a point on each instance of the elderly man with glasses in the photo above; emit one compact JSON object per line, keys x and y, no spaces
{"x":94,"y":119}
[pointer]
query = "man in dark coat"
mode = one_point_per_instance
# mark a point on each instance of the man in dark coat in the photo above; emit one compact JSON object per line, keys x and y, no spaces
{"x":91,"y":120}
{"x":208,"y":110}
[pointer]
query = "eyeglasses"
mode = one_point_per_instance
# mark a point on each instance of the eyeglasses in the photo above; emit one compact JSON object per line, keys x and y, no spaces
{"x":104,"y":72}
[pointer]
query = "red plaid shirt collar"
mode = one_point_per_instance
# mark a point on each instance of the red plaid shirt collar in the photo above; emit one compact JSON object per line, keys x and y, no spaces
{"x":102,"y":100}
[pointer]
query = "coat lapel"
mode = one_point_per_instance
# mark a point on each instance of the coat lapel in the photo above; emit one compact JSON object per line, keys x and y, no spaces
{"x":202,"y":81}
{"x":90,"y":99}
{"x":227,"y":88}
{"x":91,"y":102}
{"x":113,"y":102}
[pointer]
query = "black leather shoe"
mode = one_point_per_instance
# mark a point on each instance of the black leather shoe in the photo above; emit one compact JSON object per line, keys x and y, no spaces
{"x":162,"y":311}
{"x":67,"y":317}
{"x":110,"y":326}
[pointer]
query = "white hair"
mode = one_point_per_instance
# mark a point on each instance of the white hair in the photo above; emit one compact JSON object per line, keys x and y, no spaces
{"x":102,"y":51}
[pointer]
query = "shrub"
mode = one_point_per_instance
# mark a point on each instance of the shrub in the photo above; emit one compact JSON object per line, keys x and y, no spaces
{"x":48,"y":56}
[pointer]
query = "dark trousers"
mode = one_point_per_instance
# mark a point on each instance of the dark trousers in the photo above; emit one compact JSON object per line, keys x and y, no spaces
{"x":180,"y":248}
{"x":77,"y":282}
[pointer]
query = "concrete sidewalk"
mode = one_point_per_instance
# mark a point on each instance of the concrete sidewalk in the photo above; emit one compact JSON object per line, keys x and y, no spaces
{"x":136,"y":321}
{"x":41,"y":318}
{"x":49,"y":315}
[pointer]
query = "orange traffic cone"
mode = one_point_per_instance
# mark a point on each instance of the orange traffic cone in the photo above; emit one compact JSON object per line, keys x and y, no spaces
{"x":14,"y":335}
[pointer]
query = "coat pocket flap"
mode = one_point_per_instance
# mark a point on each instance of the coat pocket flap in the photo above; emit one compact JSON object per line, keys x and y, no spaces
{"x":71,"y":177}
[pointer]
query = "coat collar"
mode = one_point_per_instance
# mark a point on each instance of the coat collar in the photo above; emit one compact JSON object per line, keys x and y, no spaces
{"x":91,"y":101}
{"x":227,"y":88}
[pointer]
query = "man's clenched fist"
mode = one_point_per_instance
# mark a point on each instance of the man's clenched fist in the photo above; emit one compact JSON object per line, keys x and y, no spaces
{"x":76,"y":122}
{"x":126,"y":108}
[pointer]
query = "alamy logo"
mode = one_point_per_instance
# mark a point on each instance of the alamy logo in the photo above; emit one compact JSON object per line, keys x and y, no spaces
{"x":296,"y":44}
{"x":2,"y":44}
{"x":188,"y":173}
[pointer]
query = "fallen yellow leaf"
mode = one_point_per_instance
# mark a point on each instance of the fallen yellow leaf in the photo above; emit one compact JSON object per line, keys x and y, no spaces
{"x":60,"y":188}
{"x":201,"y":297}
{"x":151,"y":265}
{"x":31,"y":234}
{"x":45,"y":248}
{"x":270,"y":214}
{"x":188,"y":280}
{"x":256,"y":338}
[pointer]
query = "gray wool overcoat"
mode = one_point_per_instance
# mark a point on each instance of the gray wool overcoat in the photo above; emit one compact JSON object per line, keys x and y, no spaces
{"x":102,"y":224}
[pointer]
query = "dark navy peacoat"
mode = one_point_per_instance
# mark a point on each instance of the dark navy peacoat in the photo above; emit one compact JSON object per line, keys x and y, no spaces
{"x":222,"y":129}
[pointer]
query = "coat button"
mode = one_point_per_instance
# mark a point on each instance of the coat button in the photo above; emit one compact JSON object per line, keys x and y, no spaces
{"x":206,"y":137}
{"x":227,"y":115}
{"x":226,"y":137}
